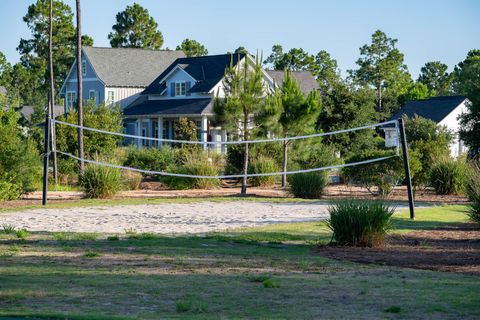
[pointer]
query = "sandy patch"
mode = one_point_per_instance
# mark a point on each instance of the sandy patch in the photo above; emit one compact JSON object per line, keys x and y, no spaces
{"x":168,"y":218}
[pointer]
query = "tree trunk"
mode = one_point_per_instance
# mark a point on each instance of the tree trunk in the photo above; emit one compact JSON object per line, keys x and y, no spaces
{"x":245,"y":156}
{"x":51,"y":98}
{"x":284,"y":163}
{"x":79,"y":87}
{"x":379,"y":97}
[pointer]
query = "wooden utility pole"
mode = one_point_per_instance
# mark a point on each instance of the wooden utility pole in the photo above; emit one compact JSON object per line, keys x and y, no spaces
{"x":51,"y":97}
{"x":79,"y":88}
{"x":403,"y":141}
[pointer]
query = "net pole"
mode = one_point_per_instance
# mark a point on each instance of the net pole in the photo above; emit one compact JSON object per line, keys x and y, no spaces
{"x":46,"y":154}
{"x":403,"y":141}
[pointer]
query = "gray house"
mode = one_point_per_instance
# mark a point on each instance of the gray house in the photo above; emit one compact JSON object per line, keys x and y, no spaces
{"x":116,"y":75}
{"x":187,"y":89}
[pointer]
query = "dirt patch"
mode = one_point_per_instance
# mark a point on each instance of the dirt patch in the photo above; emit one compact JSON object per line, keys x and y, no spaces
{"x":453,"y":249}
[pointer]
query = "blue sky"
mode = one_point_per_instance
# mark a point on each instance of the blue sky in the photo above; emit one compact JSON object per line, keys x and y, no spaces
{"x":426,"y":29}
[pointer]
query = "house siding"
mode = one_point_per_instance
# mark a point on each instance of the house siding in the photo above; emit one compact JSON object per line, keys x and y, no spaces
{"x":123,"y":95}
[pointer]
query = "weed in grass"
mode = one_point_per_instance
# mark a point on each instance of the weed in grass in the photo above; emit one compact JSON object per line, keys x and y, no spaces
{"x":22,"y":234}
{"x":130,"y":231}
{"x":190,"y":304}
{"x":10,"y":252}
{"x":85,"y":236}
{"x":393,"y":309}
{"x":143,"y":236}
{"x":8,"y":229}
{"x":61,"y":236}
{"x":68,"y":248}
{"x":92,"y":254}
{"x":269,"y":283}
{"x":113,"y":238}
{"x":260,"y":278}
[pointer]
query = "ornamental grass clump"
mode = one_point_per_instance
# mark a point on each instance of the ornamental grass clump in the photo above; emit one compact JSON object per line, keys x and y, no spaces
{"x":263,"y":164}
{"x":101,"y":181}
{"x":309,"y":185}
{"x":359,"y":222}
{"x":473,"y":192}
{"x":449,"y":176}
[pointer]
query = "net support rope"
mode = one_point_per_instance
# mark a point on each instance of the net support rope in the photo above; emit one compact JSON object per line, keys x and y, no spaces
{"x":323,"y":134}
{"x":180,"y":175}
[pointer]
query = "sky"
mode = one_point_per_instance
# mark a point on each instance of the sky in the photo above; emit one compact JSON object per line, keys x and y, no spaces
{"x":426,"y":30}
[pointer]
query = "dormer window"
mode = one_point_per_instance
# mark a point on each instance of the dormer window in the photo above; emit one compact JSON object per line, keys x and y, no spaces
{"x":84,"y":68}
{"x":180,"y":88}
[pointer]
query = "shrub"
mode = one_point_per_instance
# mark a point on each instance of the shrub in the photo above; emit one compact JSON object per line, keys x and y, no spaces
{"x":131,"y":179}
{"x":473,"y":191}
{"x":20,"y":165}
{"x":263,"y":164}
{"x":22,"y":234}
{"x":309,"y":185}
{"x":448,"y":176}
{"x":195,"y":164}
{"x":101,"y":181}
{"x":360,"y":223}
{"x":153,"y":159}
{"x":383,"y":175}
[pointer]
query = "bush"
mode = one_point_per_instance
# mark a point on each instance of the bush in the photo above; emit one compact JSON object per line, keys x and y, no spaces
{"x":194,"y":164}
{"x":308,"y":185}
{"x":360,"y":223}
{"x":131,"y":179}
{"x":153,"y":159}
{"x":383,"y":175}
{"x":20,"y":165}
{"x":473,"y":191}
{"x":448,"y":176}
{"x":101,"y":181}
{"x":263,"y":164}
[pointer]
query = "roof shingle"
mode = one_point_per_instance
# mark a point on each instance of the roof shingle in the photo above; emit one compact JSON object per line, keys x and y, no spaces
{"x":435,"y":109}
{"x":171,"y":107}
{"x":305,"y":79}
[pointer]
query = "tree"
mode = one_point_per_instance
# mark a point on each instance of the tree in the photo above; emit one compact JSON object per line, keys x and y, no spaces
{"x":325,"y":70}
{"x":415,"y":91}
{"x":244,"y":99}
{"x":34,"y":51}
{"x":135,"y":28}
{"x":467,"y":82}
{"x":381,"y":66}
{"x":79,"y":88}
{"x":241,"y":50}
{"x":292,"y":113}
{"x":51,"y":95}
{"x":435,"y":76}
{"x":192,"y":48}
{"x":185,"y":130}
{"x":296,"y":59}
{"x":345,"y":108}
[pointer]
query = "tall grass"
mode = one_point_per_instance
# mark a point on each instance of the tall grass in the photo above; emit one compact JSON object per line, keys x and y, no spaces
{"x":309,"y":185}
{"x":449,"y":176}
{"x":473,"y":191}
{"x":101,"y":181}
{"x":359,"y":222}
{"x":263,"y":164}
{"x":197,"y":164}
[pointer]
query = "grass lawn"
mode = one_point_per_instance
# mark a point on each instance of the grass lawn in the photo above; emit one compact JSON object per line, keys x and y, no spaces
{"x":268,"y":272}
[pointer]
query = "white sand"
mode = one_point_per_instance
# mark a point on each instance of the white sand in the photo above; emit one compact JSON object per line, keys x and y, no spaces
{"x":168,"y":218}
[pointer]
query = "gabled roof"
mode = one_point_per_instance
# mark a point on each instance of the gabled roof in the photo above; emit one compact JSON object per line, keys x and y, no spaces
{"x":27,"y":111}
{"x":306,"y":81}
{"x":207,"y":70}
{"x":129,"y":67}
{"x":435,"y":109}
{"x":171,"y":107}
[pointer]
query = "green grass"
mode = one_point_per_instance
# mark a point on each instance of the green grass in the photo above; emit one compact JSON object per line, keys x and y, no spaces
{"x":271,"y":272}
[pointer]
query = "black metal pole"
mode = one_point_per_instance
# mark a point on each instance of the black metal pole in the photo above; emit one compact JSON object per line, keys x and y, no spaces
{"x":403,"y":141}
{"x":46,"y":155}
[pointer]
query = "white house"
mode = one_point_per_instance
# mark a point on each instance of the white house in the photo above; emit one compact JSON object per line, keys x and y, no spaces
{"x":445,"y":111}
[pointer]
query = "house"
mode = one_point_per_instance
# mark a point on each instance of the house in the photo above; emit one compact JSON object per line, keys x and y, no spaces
{"x":116,"y":75}
{"x":187,"y":89}
{"x":444,"y":111}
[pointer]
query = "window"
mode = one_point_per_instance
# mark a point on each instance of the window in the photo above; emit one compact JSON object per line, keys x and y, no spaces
{"x":84,"y":68}
{"x":110,"y":96}
{"x":71,"y":99}
{"x":180,"y":88}
{"x":92,"y":95}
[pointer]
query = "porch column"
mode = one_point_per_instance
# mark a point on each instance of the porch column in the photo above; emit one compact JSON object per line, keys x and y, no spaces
{"x":160,"y":130}
{"x":138,"y":131}
{"x":204,"y":131}
{"x":224,"y":139}
{"x":149,"y":132}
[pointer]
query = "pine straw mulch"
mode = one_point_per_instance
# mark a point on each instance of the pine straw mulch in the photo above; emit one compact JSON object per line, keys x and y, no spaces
{"x":454,"y":248}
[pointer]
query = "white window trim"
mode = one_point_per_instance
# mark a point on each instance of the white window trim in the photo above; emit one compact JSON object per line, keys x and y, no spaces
{"x":84,"y":68}
{"x":94,"y":95}
{"x":67,"y":101}
{"x":180,"y":83}
{"x":108,"y":96}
